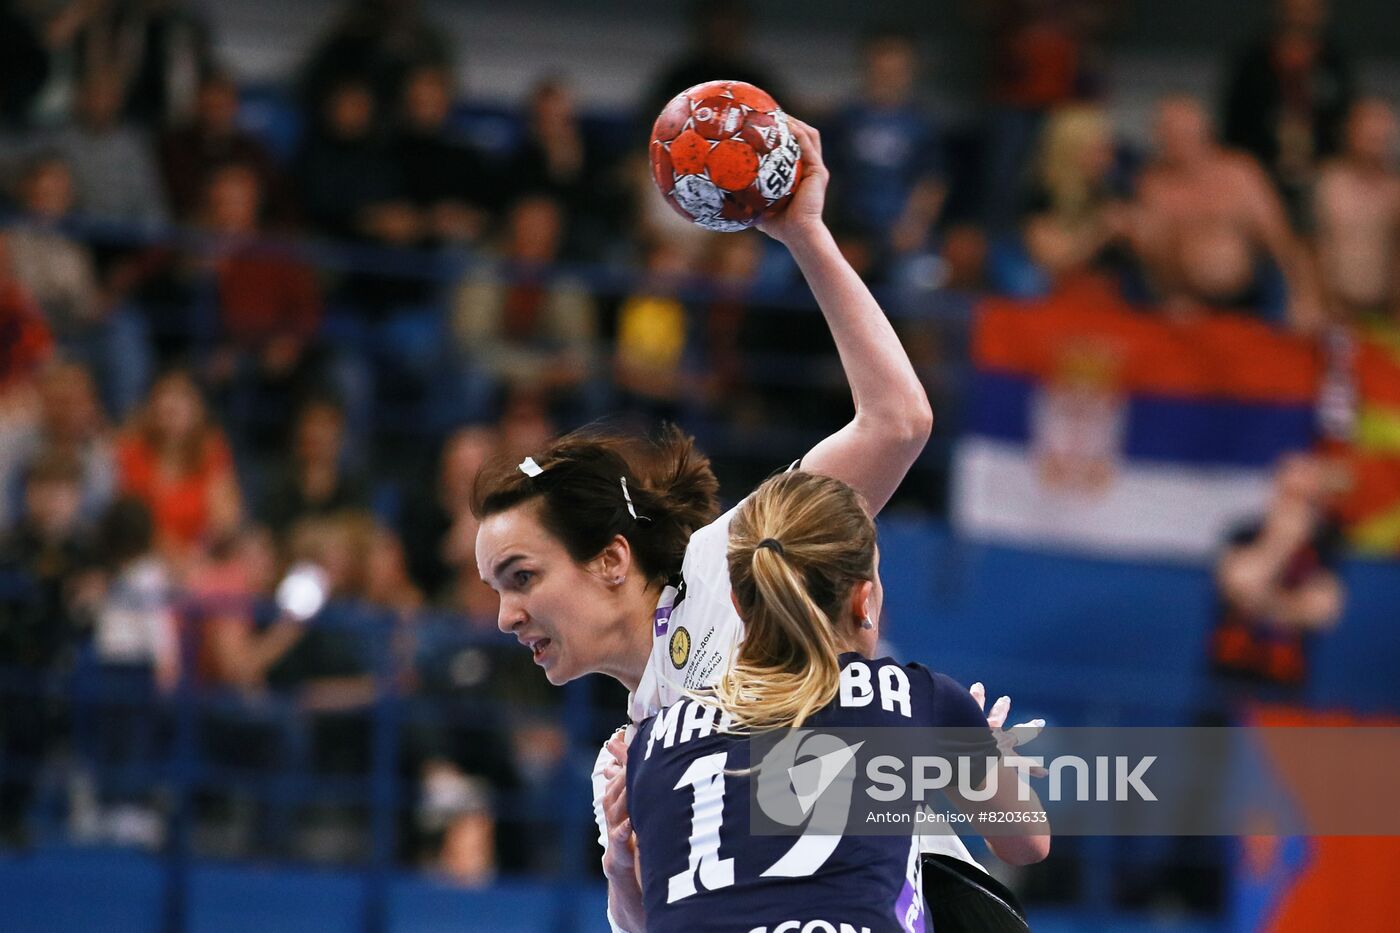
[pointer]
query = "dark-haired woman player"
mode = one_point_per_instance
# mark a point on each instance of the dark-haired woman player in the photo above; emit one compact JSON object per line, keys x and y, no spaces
{"x":609,"y":557}
{"x":804,"y":570}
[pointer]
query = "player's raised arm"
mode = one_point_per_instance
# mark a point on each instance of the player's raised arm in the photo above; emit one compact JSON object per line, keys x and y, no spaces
{"x":893,"y":418}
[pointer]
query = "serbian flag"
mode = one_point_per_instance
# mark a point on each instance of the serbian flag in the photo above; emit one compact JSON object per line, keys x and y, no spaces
{"x":1104,"y":428}
{"x":1371,"y":504}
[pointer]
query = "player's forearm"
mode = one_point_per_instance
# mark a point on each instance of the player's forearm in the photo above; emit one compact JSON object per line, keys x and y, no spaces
{"x":883,"y":383}
{"x":625,"y":904}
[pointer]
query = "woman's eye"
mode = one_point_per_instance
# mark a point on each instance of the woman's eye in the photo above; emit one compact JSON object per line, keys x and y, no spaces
{"x":522,"y":577}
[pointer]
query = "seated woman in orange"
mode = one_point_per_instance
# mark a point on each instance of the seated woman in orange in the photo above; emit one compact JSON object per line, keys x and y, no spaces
{"x":175,"y":460}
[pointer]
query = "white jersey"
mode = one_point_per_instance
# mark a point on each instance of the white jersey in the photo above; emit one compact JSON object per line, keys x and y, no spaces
{"x":694,"y":634}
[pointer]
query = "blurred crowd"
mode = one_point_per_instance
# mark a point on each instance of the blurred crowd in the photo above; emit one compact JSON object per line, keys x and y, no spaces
{"x":229,"y":350}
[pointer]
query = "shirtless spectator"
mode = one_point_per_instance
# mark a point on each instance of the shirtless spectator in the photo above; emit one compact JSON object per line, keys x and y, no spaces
{"x":1357,"y":218}
{"x":1207,"y":215}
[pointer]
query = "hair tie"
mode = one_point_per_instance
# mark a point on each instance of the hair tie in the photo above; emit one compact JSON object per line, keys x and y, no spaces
{"x":772,"y":544}
{"x":530,"y":468}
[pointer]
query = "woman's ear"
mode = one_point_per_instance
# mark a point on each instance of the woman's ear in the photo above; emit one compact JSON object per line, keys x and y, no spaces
{"x":614,"y":562}
{"x":860,"y":602}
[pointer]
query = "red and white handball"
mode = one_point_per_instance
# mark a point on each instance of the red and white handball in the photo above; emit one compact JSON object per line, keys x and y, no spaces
{"x":723,"y":155}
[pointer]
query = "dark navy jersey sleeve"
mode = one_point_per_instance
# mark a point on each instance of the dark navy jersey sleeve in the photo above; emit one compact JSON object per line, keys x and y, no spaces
{"x":949,"y":706}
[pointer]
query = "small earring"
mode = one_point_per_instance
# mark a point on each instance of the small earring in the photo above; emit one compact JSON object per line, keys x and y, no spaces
{"x":867,"y":624}
{"x":618,"y":581}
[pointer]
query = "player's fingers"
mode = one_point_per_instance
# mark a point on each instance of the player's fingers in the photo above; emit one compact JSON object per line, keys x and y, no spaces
{"x":979,"y":693}
{"x":1024,"y":732}
{"x":617,"y":745}
{"x":997,"y":716}
{"x":810,"y":141}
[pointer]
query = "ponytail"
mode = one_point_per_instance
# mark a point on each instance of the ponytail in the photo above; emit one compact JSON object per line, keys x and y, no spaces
{"x":797,"y":546}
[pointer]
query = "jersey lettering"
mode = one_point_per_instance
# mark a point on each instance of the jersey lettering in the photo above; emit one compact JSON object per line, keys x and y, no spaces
{"x":894,"y":690}
{"x":856,"y":689}
{"x":706,"y":777}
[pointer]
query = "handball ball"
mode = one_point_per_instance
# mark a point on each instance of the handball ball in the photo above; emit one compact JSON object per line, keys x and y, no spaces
{"x":723,"y":155}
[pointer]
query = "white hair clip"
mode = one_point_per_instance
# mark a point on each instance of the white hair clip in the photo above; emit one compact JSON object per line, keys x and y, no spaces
{"x":631,"y":509}
{"x":529,"y":467}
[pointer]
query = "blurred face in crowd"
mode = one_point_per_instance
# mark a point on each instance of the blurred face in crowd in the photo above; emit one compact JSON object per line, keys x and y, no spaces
{"x":1183,"y":132}
{"x":69,"y":404}
{"x":551,"y":106}
{"x":525,"y":424}
{"x":1370,"y":132}
{"x":47,"y":191}
{"x":349,"y":111}
{"x":319,"y":434}
{"x":568,"y":614}
{"x":386,"y":571}
{"x":256,"y":552}
{"x":462,"y":458}
{"x":536,"y":227}
{"x":100,"y":102}
{"x":235,"y":200}
{"x":890,"y":70}
{"x":217,"y":107}
{"x":52,"y":505}
{"x":736,"y":259}
{"x":1302,"y":479}
{"x":721,"y":28}
{"x":176,"y":408}
{"x":427,"y":99}
{"x":1305,"y":16}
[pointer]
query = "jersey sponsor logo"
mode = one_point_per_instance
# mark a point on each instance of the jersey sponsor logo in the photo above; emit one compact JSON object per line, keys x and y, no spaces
{"x":680,"y":647}
{"x":811,"y":926}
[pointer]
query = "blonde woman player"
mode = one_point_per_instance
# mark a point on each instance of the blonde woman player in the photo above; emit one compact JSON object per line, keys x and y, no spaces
{"x":804,"y":570}
{"x":609,"y":556}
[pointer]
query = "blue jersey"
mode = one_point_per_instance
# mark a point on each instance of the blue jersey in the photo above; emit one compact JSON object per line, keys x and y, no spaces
{"x":702,"y":870}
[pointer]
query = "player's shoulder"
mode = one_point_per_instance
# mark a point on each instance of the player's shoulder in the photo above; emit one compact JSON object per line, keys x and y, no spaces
{"x":933,"y":698}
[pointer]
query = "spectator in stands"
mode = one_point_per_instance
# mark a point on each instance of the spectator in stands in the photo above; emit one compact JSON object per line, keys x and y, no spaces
{"x":113,"y":166}
{"x":69,"y":422}
{"x":438,"y":530}
{"x":176,"y":461}
{"x":152,"y":51}
{"x":557,"y":158}
{"x":1044,"y":54}
{"x":885,"y":153}
{"x":1076,"y":217}
{"x":1205,"y":218}
{"x":520,"y":322}
{"x":314,"y":480}
{"x":211,"y":139}
{"x":25,"y":341}
{"x":238,"y":635}
{"x":349,"y":183}
{"x":24,"y":63}
{"x":57,"y":269}
{"x":136,"y":643}
{"x":718,"y":48}
{"x":40,"y":631}
{"x":1287,"y":98}
{"x":269,"y":309}
{"x":650,"y":350}
{"x":525,"y":423}
{"x":1278,"y":584}
{"x":61,"y":273}
{"x":445,"y":180}
{"x":1357,"y":219}
{"x":375,"y":43}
